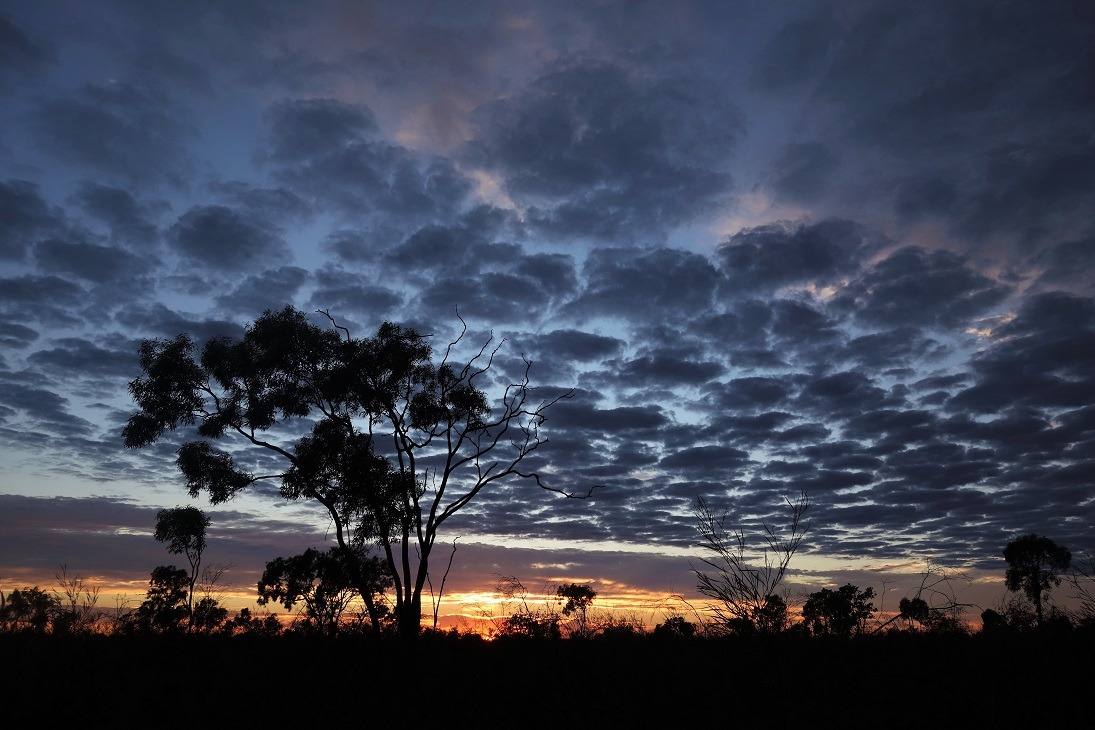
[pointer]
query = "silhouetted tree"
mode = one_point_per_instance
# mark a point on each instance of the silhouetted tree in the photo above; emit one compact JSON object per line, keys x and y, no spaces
{"x":1082,"y":579}
{"x":164,"y":609}
{"x":675,"y":626}
{"x":183,"y":530}
{"x":445,"y":444}
{"x":838,"y":613}
{"x":247,"y":623}
{"x":76,"y":599}
{"x":1035,"y":564}
{"x":28,"y":609}
{"x":933,"y":605}
{"x":321,"y":581}
{"x":537,"y":623}
{"x":207,"y":616}
{"x":578,"y":598}
{"x":771,"y":618}
{"x":745,"y":589}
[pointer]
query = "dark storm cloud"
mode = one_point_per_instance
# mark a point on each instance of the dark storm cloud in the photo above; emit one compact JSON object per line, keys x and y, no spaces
{"x":1043,"y":358}
{"x":25,"y":217}
{"x":16,"y":336}
{"x":331,"y":151}
{"x":718,"y":459}
{"x":772,"y":256}
{"x":90,"y":261}
{"x":130,"y":221}
{"x":49,"y":300}
{"x":1069,"y":264}
{"x":595,"y":151}
{"x":629,"y":421}
{"x":156,"y":320}
{"x":637,"y":283}
{"x":113,"y":357}
{"x":575,"y":345}
{"x":900,"y":346}
{"x":273,"y":206}
{"x":752,"y":393}
{"x":269,"y":289}
{"x":43,"y":411}
{"x":348,"y":294}
{"x":799,"y":324}
{"x":843,"y":394}
{"x":798,"y":52}
{"x":666,"y":368}
{"x":131,"y":134}
{"x":920,"y":288}
{"x":983,"y":113}
{"x":438,"y":248}
{"x":222,"y":238}
{"x":554,"y":272}
{"x":21,"y":56}
{"x":801,"y":172}
{"x":306,"y":129}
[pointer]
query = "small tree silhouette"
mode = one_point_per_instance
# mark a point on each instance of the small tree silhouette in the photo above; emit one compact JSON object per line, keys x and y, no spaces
{"x":322,"y":582}
{"x":1035,"y":564}
{"x":578,"y":597}
{"x":744,"y":590}
{"x":183,"y":530}
{"x":838,"y":613}
{"x":164,"y":609}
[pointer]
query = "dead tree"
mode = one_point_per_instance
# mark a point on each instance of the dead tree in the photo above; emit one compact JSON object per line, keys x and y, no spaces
{"x":742,"y":581}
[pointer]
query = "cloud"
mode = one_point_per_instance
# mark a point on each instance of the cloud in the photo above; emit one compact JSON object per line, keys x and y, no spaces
{"x":1043,"y":358}
{"x":21,"y":56}
{"x":800,"y":174}
{"x":90,"y":261}
{"x":25,"y":218}
{"x":131,"y":134}
{"x":634,"y":284}
{"x":798,"y":52}
{"x":268,"y":289}
{"x":920,"y":288}
{"x":49,"y":300}
{"x":131,"y":222}
{"x":768,"y":257}
{"x":575,"y":345}
{"x":224,"y":239}
{"x":591,"y":150}
{"x":331,"y":150}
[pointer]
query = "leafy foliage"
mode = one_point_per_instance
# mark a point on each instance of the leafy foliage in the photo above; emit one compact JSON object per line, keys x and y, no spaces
{"x":164,"y":609}
{"x":321,"y":581}
{"x":359,"y":396}
{"x":28,"y":609}
{"x":842,"y":612}
{"x":1035,"y":565}
{"x":183,"y":530}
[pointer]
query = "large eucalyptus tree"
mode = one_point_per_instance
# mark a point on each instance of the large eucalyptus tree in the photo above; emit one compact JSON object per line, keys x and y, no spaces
{"x":393,"y":444}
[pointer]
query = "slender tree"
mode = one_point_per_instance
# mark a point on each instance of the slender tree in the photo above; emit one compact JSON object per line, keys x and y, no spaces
{"x":182,"y":529}
{"x":1035,"y":565}
{"x":396,"y":444}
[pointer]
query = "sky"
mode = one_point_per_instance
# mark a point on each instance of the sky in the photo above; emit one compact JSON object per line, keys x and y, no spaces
{"x":841,"y":247}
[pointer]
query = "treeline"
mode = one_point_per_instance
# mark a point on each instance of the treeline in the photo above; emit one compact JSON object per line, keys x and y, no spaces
{"x":320,"y":590}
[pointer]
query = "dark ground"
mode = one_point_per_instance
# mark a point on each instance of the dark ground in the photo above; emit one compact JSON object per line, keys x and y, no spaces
{"x":782,"y":682}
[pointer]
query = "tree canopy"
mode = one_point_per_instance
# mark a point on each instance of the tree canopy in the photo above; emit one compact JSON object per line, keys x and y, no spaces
{"x":182,"y":529}
{"x":1035,"y":564}
{"x":390,"y":443}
